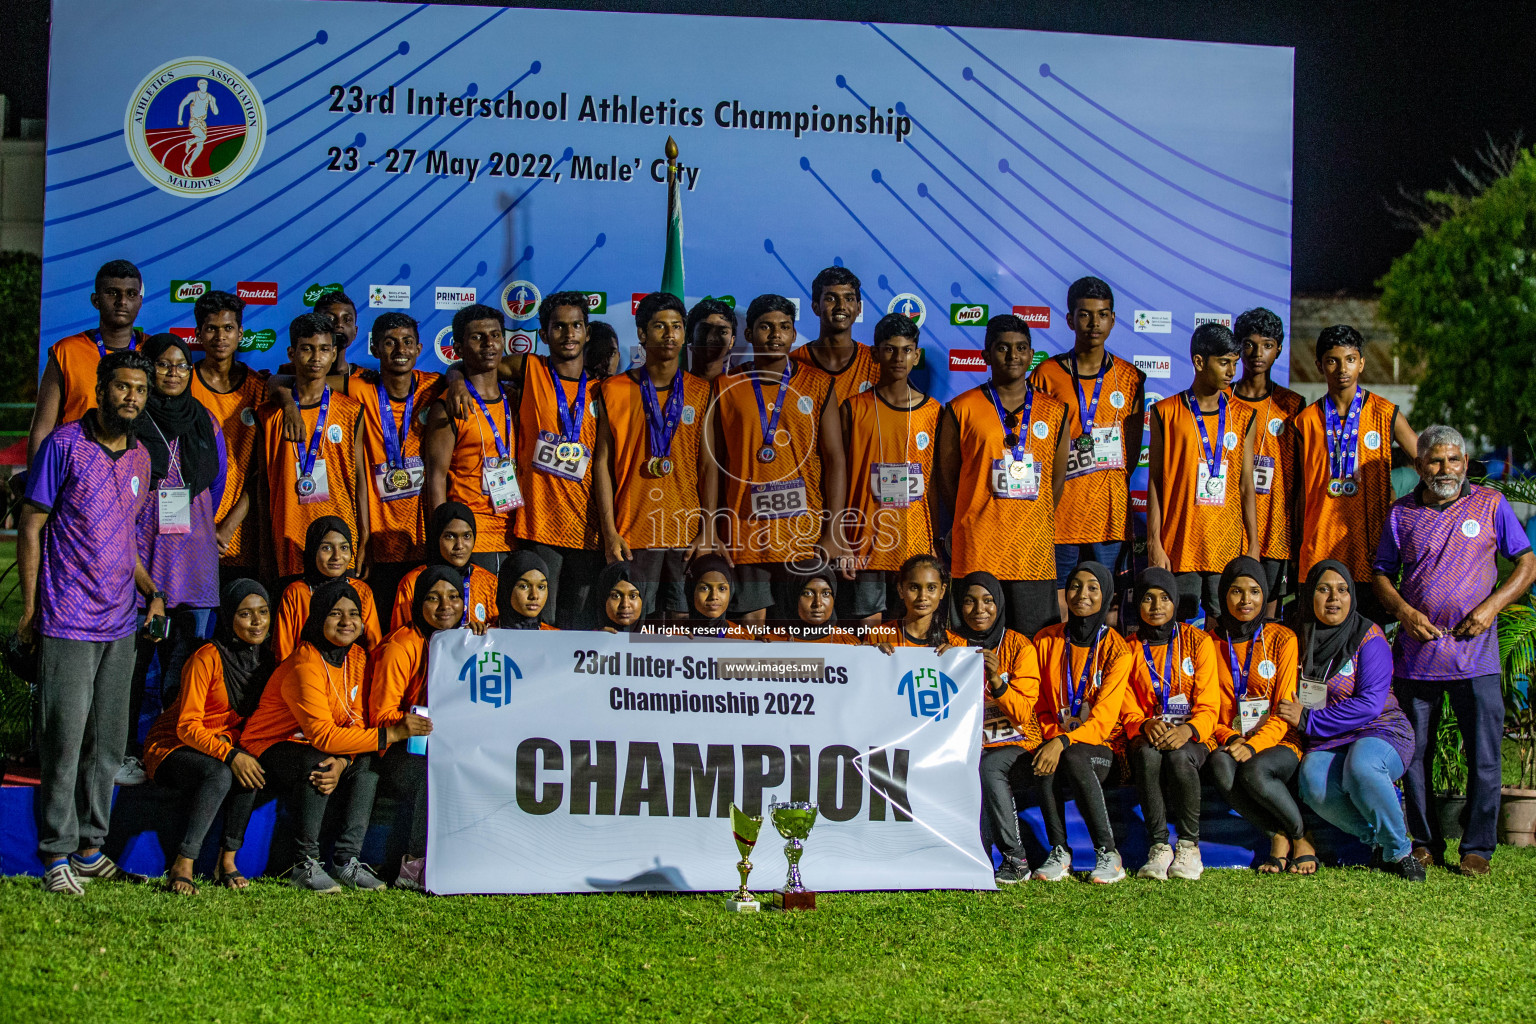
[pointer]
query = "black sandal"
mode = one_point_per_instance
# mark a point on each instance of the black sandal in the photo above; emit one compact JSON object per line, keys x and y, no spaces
{"x":1279,"y":864}
{"x":172,"y":880}
{"x":1305,"y":858}
{"x":232,"y":880}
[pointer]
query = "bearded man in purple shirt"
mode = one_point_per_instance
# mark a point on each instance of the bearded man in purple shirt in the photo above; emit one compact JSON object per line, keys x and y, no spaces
{"x":1444,"y":540}
{"x":78,"y":556}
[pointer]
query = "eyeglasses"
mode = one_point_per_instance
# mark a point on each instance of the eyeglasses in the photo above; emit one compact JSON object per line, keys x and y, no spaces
{"x":175,"y":369}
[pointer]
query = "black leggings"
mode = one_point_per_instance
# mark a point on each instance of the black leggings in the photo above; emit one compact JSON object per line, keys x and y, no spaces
{"x":288,"y":766}
{"x":1004,"y":770}
{"x":211,"y":785}
{"x":403,"y":775}
{"x":1166,"y":777}
{"x":1259,"y":789}
{"x":1087,"y":766}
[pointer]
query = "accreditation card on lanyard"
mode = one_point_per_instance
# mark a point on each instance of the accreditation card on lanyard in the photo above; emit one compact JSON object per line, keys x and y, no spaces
{"x":399,"y":477}
{"x":1077,"y":710}
{"x":1211,"y":478}
{"x":1095,"y":447}
{"x":1343,"y":445}
{"x":1175,"y":707}
{"x":498,"y":476}
{"x":563,"y":455}
{"x":1249,"y":712}
{"x":311,"y":482}
{"x":173,"y":499}
{"x":1016,"y":474}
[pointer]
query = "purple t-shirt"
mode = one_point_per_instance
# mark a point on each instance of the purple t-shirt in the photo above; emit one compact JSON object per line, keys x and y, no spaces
{"x":1361,"y":703}
{"x":1448,"y":558}
{"x":185,"y":565}
{"x":86,"y":589}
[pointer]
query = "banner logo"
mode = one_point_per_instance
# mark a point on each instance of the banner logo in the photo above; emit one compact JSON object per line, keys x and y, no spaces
{"x":967,"y":360}
{"x":597,"y":302}
{"x":490,"y":676}
{"x":1035,"y":316}
{"x":447,"y":352}
{"x":313,"y":292}
{"x":909,"y":306}
{"x":520,"y":300}
{"x":257,"y":341}
{"x":1159,"y":367}
{"x":519,"y":343}
{"x":1225,"y":319}
{"x":452,"y":298}
{"x":967,"y":315}
{"x":389,"y":296}
{"x":195,"y":127}
{"x":927,"y":691}
{"x":189,"y":291}
{"x":1154,"y":321}
{"x":258,"y":293}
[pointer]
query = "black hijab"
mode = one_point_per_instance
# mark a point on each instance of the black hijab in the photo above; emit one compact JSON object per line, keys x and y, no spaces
{"x":246,"y":666}
{"x":697,"y":570}
{"x":994,"y":634}
{"x":1227,"y":625}
{"x":425,"y":581}
{"x":444,"y":514}
{"x":1325,"y":648}
{"x":800,"y":574}
{"x":517,"y":563}
{"x":1082,"y":630}
{"x":1153,"y":578}
{"x":320,"y":605}
{"x":180,"y":418}
{"x":609,"y":578}
{"x":312,"y":538}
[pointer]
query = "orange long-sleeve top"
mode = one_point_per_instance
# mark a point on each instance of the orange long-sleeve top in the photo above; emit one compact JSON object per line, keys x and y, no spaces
{"x":482,"y":597}
{"x":890,"y":632}
{"x":397,"y":676}
{"x":1193,"y":668}
{"x":200,"y":717}
{"x":1104,"y":694}
{"x":1013,"y":719}
{"x":1272,"y":676}
{"x":308,"y":700}
{"x":294,"y":610}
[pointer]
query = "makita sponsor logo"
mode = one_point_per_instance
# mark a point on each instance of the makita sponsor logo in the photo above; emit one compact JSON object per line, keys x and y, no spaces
{"x":967,"y":360}
{"x":1035,"y":316}
{"x":257,"y":293}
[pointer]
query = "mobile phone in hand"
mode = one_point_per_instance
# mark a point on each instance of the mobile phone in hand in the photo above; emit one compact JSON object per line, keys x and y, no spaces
{"x":159,"y":627}
{"x":417,"y":744}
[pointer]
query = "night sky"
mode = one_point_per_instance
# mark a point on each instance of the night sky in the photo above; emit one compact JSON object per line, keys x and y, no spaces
{"x":1386,"y":93}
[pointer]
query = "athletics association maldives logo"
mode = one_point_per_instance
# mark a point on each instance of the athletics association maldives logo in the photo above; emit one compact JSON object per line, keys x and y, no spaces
{"x":520,"y":300}
{"x":195,"y":127}
{"x":490,"y":677}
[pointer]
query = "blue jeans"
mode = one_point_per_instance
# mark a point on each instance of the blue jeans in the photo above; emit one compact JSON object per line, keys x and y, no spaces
{"x":1352,"y":787}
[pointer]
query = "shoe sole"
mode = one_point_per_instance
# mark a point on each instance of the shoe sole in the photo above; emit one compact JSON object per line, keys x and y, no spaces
{"x":1059,"y":878}
{"x":1186,"y":876}
{"x":1010,"y":881}
{"x":1107,"y":881}
{"x":1154,"y":875}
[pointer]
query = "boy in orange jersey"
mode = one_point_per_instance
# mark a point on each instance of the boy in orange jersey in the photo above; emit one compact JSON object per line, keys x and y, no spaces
{"x":1200,"y":507}
{"x":653,"y":484}
{"x":321,"y":475}
{"x":67,"y":390}
{"x":711,"y":332}
{"x":1262,"y":335}
{"x":888,"y":434}
{"x":1344,"y":464}
{"x":775,"y":437}
{"x":342,"y":375}
{"x":836,"y":302}
{"x":1104,"y":397}
{"x":1002,"y":463}
{"x":232,"y":392}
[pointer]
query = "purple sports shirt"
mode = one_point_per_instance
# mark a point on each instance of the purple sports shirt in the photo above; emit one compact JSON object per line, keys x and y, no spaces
{"x":185,"y":565}
{"x":1361,"y":703}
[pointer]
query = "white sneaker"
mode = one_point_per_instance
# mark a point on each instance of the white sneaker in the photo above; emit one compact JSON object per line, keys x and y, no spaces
{"x":60,"y":877}
{"x":1186,"y":861}
{"x":1158,"y":859}
{"x":131,"y":773}
{"x":1108,"y":870}
{"x":1057,"y":866}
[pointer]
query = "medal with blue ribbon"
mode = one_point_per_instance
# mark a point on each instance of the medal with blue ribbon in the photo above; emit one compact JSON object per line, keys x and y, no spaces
{"x":1088,"y":409}
{"x":661,"y":421}
{"x":1013,"y":438}
{"x":769,"y":424}
{"x":570,"y":448}
{"x":1075,"y":694}
{"x":305,"y":484}
{"x":398,"y":478}
{"x":1211,"y":453}
{"x":1342,"y":450}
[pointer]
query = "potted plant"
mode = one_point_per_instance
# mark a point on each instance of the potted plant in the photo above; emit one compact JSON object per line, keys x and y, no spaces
{"x":1517,"y":655}
{"x":1448,"y":776}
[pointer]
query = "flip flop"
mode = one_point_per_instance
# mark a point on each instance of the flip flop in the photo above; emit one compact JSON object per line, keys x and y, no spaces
{"x":1278,"y":863}
{"x":172,"y":880}
{"x":233,"y":880}
{"x":1305,"y":858}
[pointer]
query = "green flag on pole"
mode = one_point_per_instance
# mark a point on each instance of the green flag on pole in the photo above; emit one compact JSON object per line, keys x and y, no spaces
{"x":672,"y":264}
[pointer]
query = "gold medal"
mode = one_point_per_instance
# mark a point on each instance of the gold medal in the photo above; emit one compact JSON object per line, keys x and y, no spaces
{"x":399,"y":479}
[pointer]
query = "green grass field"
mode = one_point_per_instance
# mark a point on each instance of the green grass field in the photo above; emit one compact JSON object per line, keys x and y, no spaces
{"x":1346,"y":945}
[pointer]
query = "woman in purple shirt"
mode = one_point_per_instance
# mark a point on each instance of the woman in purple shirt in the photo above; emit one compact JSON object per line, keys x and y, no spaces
{"x":1357,"y":737}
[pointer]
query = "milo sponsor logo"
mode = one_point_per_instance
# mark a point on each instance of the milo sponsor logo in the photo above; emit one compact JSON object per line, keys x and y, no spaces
{"x":597,"y":302}
{"x":966,"y":315}
{"x":189,"y":291}
{"x":257,"y":341}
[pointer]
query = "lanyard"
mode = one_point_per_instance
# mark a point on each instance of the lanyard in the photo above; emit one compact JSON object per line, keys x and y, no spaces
{"x":1342,"y":452}
{"x":771,"y":425}
{"x":464,"y":619}
{"x":1076,"y":694}
{"x":570,"y":416}
{"x":1162,"y":684}
{"x":1088,"y":410}
{"x":506,"y":411}
{"x":1211,"y":453}
{"x":1016,"y":448}
{"x":661,"y":421}
{"x":307,"y":458}
{"x":101,"y":346}
{"x":394,"y":445}
{"x":1240,"y":682}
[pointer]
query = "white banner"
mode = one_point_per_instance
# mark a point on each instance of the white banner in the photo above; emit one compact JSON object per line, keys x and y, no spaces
{"x":594,"y":762}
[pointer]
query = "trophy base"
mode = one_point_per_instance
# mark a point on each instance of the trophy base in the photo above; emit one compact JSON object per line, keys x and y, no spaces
{"x":742,"y":906}
{"x":794,"y":900}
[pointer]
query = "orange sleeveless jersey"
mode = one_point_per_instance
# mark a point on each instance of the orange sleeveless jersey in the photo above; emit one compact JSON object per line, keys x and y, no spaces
{"x":1347,"y":527}
{"x":1277,"y":656}
{"x":783,"y":539}
{"x":1275,"y":442}
{"x":1104,"y":696}
{"x":860,"y":375}
{"x":1193,"y":667}
{"x":887,"y":535}
{"x":655,"y":511}
{"x":482,"y":597}
{"x":1093,"y":505}
{"x":288,"y":517}
{"x":293,"y":610}
{"x":1008,"y":537}
{"x":473,"y":442}
{"x":1201,"y":538}
{"x":77,"y":356}
{"x":396,"y":527}
{"x":557,"y":510}
{"x":236,"y":416}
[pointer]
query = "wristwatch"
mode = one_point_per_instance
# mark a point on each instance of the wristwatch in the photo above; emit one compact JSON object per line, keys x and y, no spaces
{"x":158,"y":595}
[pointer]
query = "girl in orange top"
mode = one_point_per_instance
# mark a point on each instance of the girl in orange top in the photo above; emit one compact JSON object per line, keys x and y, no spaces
{"x":711,"y":582}
{"x":1010,"y":731}
{"x":451,"y":542}
{"x":813,"y":588}
{"x":310,"y":733}
{"x":1169,"y":715}
{"x":1085,"y":670}
{"x":614,"y":603}
{"x":1256,"y":664}
{"x":522,"y":591}
{"x":194,"y":746}
{"x":327,"y":557}
{"x":923,"y":587}
{"x":397,"y":683}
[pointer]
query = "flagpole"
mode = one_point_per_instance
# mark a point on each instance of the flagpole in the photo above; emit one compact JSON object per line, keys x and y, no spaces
{"x":672,"y":262}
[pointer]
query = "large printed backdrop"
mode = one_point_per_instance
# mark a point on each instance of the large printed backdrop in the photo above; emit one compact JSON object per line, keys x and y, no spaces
{"x":416,"y":154}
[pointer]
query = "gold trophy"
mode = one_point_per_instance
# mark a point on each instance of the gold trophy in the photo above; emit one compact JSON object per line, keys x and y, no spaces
{"x":793,"y":819}
{"x":744,"y":829}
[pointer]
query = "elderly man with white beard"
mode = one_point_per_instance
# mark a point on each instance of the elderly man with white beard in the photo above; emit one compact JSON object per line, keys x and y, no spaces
{"x":1444,"y":540}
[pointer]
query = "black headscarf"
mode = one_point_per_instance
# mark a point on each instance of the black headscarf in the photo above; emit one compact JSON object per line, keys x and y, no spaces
{"x":609,"y":578}
{"x":1153,"y":578}
{"x":425,"y":581}
{"x":1082,"y":630}
{"x":697,"y":570}
{"x":312,"y":538}
{"x":444,"y":514}
{"x":1325,"y":648}
{"x":246,"y":666}
{"x":1227,"y":625}
{"x":800,"y":574}
{"x":994,"y":633}
{"x":182,"y":417}
{"x":320,"y":605}
{"x":517,"y":563}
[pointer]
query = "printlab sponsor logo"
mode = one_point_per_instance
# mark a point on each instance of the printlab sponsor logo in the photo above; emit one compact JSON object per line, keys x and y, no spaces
{"x":257,"y":341}
{"x":1225,"y":319}
{"x":195,"y":127}
{"x":389,"y":296}
{"x":520,"y":300}
{"x":927,"y":691}
{"x":909,"y":306}
{"x":967,"y":360}
{"x":258,"y":293}
{"x":1035,"y":316}
{"x":597,"y":302}
{"x":452,"y":298}
{"x":189,"y":291}
{"x":962,"y":314}
{"x":313,"y":292}
{"x":490,"y":677}
{"x":447,"y":353}
{"x":1154,"y":321}
{"x":519,"y":343}
{"x":1160,"y":367}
